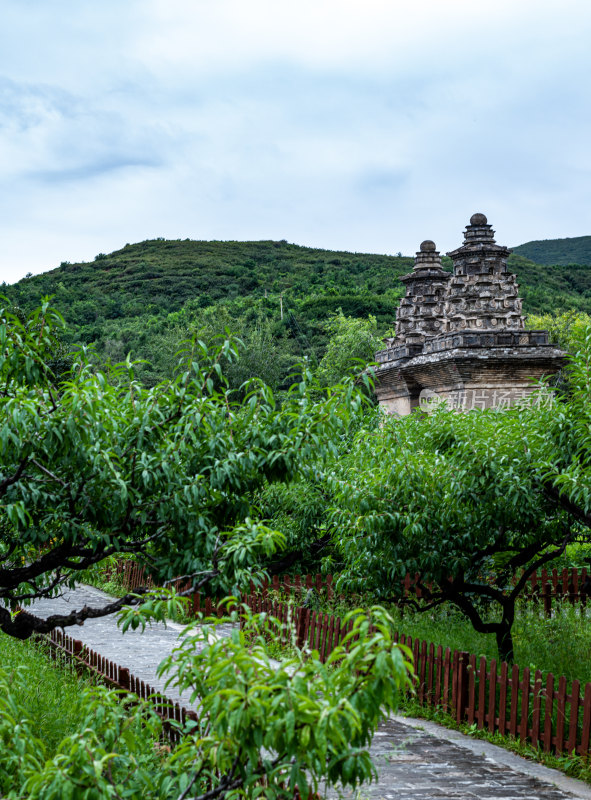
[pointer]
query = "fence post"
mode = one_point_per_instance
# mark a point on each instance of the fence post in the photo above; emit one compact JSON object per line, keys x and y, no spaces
{"x":329,"y":589}
{"x":547,"y":595}
{"x":304,"y":615}
{"x":462,"y":684}
{"x":124,"y":678}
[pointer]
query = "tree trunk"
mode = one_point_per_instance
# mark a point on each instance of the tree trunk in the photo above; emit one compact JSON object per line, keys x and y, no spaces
{"x":505,"y":641}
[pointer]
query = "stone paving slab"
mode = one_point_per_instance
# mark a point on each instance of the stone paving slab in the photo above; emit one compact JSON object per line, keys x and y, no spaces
{"x":415,"y":759}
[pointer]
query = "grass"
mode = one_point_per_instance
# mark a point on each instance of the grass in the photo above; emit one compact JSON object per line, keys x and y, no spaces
{"x":560,"y":644}
{"x":50,"y":697}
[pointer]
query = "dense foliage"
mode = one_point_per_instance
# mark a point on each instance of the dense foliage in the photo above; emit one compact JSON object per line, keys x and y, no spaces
{"x":94,"y":463}
{"x":468,"y":501}
{"x":263,"y":729}
{"x":568,"y":330}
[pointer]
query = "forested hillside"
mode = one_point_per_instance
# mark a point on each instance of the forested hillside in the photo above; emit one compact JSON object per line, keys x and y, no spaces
{"x":576,"y":250}
{"x":279,"y":298}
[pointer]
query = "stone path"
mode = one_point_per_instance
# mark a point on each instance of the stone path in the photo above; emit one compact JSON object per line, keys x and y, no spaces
{"x":416,"y":760}
{"x":140,"y":653}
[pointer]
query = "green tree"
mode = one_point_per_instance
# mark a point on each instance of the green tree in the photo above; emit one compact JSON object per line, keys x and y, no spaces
{"x":568,"y":329}
{"x":352,"y":346}
{"x":97,"y":464}
{"x":264,"y":727}
{"x":473,"y":503}
{"x":300,"y":510}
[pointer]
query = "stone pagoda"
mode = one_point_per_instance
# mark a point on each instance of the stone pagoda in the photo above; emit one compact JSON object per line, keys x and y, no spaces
{"x":460,"y":336}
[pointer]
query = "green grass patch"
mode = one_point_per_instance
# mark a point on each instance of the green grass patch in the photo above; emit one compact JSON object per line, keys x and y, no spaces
{"x":560,"y":644}
{"x":103,"y":576}
{"x":50,"y":695}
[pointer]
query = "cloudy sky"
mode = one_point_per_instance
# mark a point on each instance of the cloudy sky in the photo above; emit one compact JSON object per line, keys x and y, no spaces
{"x":363,"y":125}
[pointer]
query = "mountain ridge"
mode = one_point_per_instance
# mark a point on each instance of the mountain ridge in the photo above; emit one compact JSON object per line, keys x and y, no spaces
{"x":549,"y":252}
{"x":145,"y":298}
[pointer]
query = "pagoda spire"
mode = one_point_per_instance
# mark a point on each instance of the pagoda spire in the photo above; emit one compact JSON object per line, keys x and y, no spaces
{"x":482,"y":295}
{"x":420,"y":314}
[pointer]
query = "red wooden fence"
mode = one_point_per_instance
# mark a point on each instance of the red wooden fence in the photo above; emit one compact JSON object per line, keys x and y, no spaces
{"x":544,"y":588}
{"x":173,"y":715}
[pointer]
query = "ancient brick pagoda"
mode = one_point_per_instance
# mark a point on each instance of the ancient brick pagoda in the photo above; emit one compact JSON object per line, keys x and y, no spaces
{"x":460,"y":336}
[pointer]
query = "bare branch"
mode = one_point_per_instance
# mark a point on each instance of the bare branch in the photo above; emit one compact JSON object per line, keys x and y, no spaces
{"x":24,"y":624}
{"x":537,"y":564}
{"x":49,"y":473}
{"x":53,"y":560}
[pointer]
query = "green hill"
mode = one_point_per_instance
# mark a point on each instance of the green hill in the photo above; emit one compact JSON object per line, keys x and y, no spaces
{"x":159,"y":277}
{"x":576,"y":250}
{"x":147,"y":297}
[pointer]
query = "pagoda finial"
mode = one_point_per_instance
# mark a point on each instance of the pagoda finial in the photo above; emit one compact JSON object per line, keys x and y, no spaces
{"x":427,"y":256}
{"x":479,"y":230}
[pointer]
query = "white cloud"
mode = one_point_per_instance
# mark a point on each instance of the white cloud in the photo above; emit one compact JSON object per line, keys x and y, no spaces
{"x":338,"y":124}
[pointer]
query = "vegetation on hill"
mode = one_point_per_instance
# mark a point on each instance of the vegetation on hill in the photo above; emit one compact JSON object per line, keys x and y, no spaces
{"x":552,"y":289}
{"x":575,"y":250}
{"x":148,"y":297}
{"x":279,"y":298}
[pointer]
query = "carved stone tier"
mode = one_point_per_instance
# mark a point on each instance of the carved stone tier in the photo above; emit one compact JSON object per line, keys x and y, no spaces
{"x":502,"y":338}
{"x":397,"y":353}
